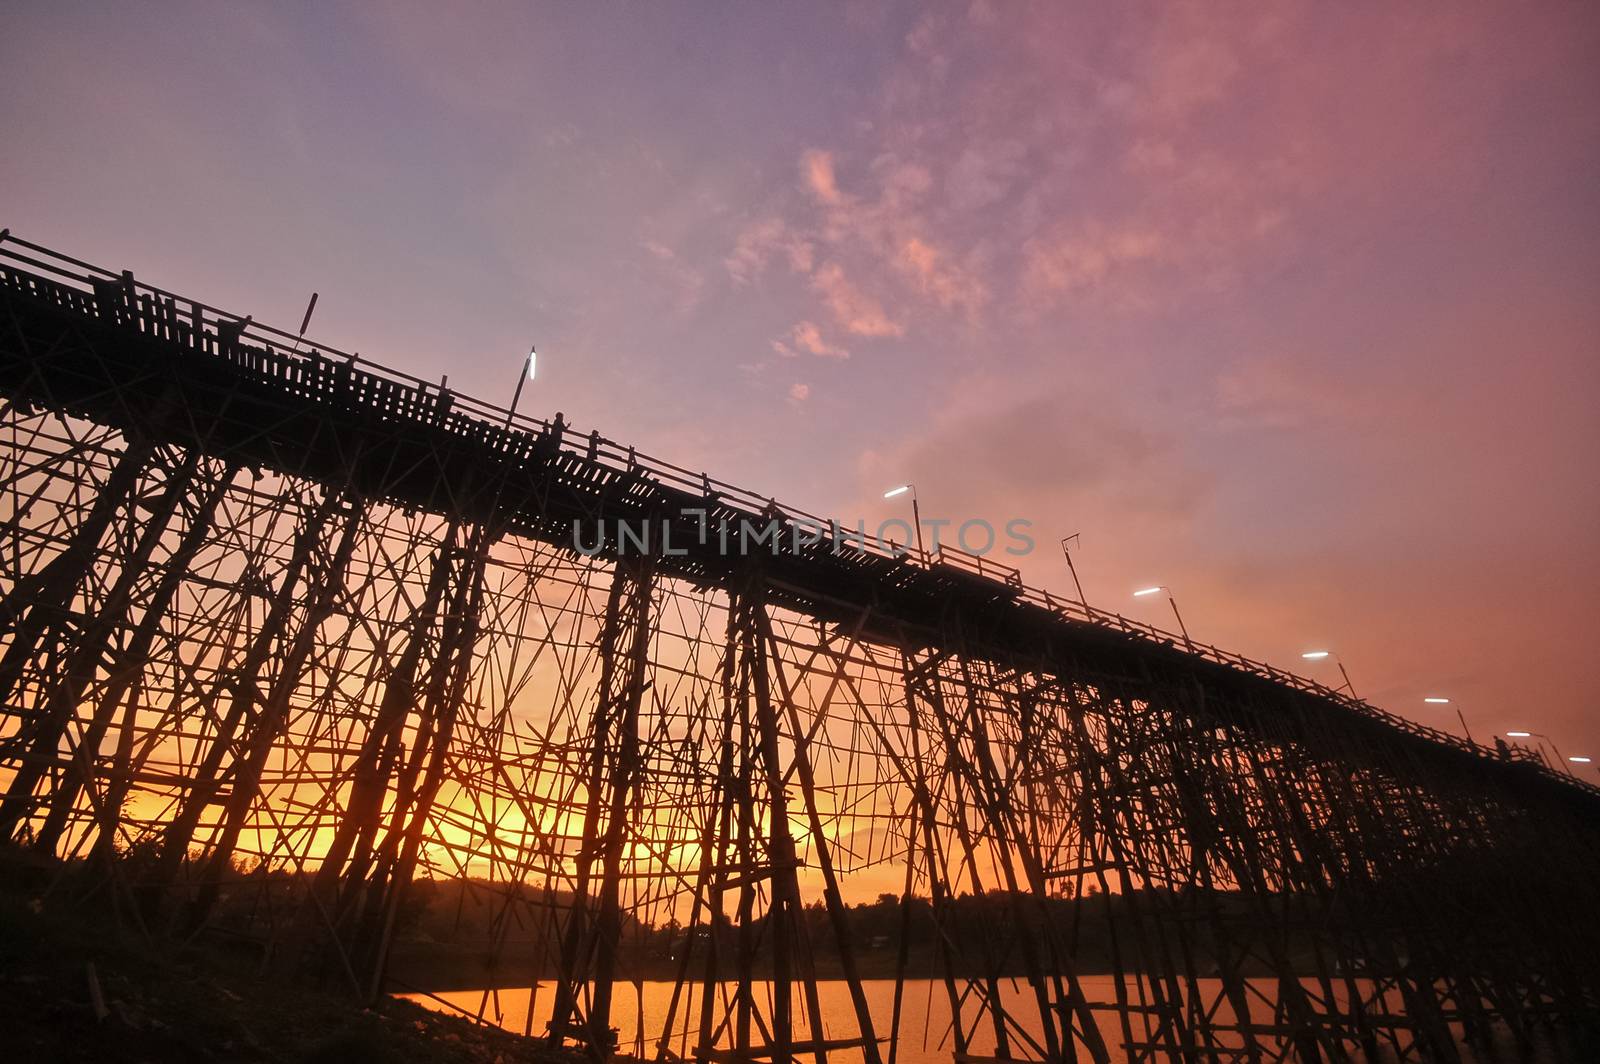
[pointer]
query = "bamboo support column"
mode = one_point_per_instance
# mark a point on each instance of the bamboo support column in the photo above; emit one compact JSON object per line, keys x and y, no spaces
{"x":589,"y":946}
{"x":206,"y":780}
{"x":43,"y":733}
{"x":266,"y":729}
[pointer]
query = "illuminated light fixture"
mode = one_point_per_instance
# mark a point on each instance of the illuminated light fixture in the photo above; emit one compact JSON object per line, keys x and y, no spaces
{"x":522,"y":379}
{"x":1520,"y":734}
{"x":1174,"y":604}
{"x":1323,"y":655}
{"x":916,"y":513}
{"x":1438,"y":701}
{"x":1579,"y":760}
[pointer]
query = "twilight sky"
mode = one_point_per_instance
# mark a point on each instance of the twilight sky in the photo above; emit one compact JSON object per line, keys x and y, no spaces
{"x":1292,"y":307}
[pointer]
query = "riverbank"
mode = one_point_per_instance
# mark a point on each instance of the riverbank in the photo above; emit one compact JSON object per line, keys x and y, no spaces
{"x":78,"y":985}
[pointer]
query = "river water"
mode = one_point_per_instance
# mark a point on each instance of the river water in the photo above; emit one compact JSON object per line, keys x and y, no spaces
{"x":638,"y":1012}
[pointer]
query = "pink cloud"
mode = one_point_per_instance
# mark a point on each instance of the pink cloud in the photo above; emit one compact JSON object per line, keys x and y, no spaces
{"x":856,"y":311}
{"x":983,"y":173}
{"x":817,"y":166}
{"x":809,"y":338}
{"x":940,"y":281}
{"x":1279,"y":393}
{"x":688,"y":281}
{"x":799,"y":392}
{"x":1088,"y":259}
{"x":758,"y":243}
{"x":1150,"y":156}
{"x":1192,"y":64}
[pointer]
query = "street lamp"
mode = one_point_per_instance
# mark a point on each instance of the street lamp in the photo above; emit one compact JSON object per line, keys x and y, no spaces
{"x":1438,"y":700}
{"x":916,"y":514}
{"x":1066,"y":548}
{"x":523,"y":378}
{"x":1142,"y":592}
{"x":1320,"y":655}
{"x":1560,"y":761}
{"x":305,"y":321}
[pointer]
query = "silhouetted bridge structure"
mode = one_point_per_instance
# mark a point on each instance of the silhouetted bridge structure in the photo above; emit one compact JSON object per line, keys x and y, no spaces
{"x":285,"y":632}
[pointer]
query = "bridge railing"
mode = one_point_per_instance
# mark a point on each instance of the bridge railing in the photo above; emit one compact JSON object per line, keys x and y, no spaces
{"x":321,"y":372}
{"x":313,"y":370}
{"x":977,"y":565}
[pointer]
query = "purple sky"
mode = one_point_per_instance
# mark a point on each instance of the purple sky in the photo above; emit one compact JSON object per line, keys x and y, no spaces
{"x":1291,"y":307}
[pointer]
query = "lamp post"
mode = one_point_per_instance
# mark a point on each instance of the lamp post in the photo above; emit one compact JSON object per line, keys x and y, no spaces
{"x":916,"y":514}
{"x":305,"y":321}
{"x":1320,"y":655}
{"x":1561,"y":762}
{"x":1066,"y":548}
{"x":1142,"y":592}
{"x":1440,"y":700}
{"x":531,"y":366}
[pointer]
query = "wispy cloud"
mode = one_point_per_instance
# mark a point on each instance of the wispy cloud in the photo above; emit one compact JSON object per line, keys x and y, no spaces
{"x":1280,"y":394}
{"x":817,"y":167}
{"x":757,"y":244}
{"x":854,"y":310}
{"x":807,"y":337}
{"x":689,"y":282}
{"x":1087,"y":259}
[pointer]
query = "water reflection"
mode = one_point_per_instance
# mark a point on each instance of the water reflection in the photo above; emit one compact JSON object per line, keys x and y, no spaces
{"x":640,"y":1010}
